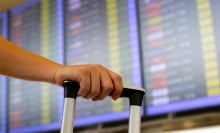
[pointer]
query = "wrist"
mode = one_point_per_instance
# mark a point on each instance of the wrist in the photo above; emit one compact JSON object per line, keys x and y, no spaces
{"x":56,"y":73}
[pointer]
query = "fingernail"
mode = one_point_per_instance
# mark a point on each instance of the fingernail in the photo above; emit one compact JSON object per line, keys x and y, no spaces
{"x":114,"y":98}
{"x":95,"y":99}
{"x":80,"y":94}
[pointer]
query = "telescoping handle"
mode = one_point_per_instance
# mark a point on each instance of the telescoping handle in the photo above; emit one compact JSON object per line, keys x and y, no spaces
{"x":70,"y":94}
{"x":134,"y":94}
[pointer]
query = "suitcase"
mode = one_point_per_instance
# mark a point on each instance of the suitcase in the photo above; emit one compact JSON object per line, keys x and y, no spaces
{"x":134,"y":94}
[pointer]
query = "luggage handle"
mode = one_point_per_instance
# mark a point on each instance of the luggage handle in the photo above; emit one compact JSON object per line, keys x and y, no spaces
{"x":134,"y":94}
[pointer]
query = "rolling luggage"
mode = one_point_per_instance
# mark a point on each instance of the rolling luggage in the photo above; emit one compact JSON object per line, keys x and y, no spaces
{"x":134,"y":94}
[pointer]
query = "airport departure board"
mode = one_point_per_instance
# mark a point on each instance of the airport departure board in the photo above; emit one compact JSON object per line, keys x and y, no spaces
{"x":180,"y":46}
{"x":34,"y":106}
{"x":3,"y":102}
{"x":103,"y":32}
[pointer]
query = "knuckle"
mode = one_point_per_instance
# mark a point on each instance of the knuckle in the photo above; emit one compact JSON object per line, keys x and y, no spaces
{"x":84,"y":72}
{"x":107,"y":87}
{"x":95,"y":92}
{"x":84,"y":90}
{"x":99,"y":66}
{"x":117,"y":78}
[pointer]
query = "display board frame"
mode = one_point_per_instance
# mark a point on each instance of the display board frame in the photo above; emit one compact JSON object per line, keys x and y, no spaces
{"x":4,"y":103}
{"x":60,"y":59}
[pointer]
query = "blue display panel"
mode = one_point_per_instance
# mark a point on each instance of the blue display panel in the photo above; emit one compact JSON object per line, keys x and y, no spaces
{"x":180,"y":46}
{"x":3,"y":102}
{"x":34,"y":106}
{"x":103,"y":32}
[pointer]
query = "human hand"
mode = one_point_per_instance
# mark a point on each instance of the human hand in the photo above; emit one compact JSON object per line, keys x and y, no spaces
{"x":96,"y":82}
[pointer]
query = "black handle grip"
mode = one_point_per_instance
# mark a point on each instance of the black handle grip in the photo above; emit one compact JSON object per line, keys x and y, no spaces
{"x":71,"y":89}
{"x":135,"y":96}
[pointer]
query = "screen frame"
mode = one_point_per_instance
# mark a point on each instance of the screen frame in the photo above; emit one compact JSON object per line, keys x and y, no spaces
{"x":55,"y":125}
{"x":4,"y":33}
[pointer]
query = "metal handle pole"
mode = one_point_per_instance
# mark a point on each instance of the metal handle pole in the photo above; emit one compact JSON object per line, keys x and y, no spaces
{"x":135,"y":96}
{"x":68,"y":115}
{"x":135,"y":119}
{"x":70,"y":93}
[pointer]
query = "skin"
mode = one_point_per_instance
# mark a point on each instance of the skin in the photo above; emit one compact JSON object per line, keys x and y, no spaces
{"x":96,"y":81}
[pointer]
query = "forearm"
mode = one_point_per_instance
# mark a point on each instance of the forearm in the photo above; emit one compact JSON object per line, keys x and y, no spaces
{"x":19,"y":63}
{"x":96,"y":82}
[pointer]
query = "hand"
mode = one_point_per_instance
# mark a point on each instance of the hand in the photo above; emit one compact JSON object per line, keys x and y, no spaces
{"x":96,"y":82}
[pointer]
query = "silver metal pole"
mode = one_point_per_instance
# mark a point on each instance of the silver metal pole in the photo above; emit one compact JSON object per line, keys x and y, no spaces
{"x":68,"y":115}
{"x":135,"y":119}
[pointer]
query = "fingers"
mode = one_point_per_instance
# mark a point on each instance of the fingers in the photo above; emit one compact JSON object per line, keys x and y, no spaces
{"x":96,"y":82}
{"x":106,"y":85}
{"x":118,"y":86}
{"x":102,"y":83}
{"x":84,"y":77}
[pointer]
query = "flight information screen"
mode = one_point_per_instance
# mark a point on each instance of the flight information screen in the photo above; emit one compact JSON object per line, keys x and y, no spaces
{"x":3,"y":103}
{"x":180,"y":46}
{"x":37,"y":27}
{"x":103,"y":32}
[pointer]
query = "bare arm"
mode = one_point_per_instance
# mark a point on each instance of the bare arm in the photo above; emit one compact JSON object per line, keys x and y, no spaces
{"x":96,"y":81}
{"x":19,"y":63}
